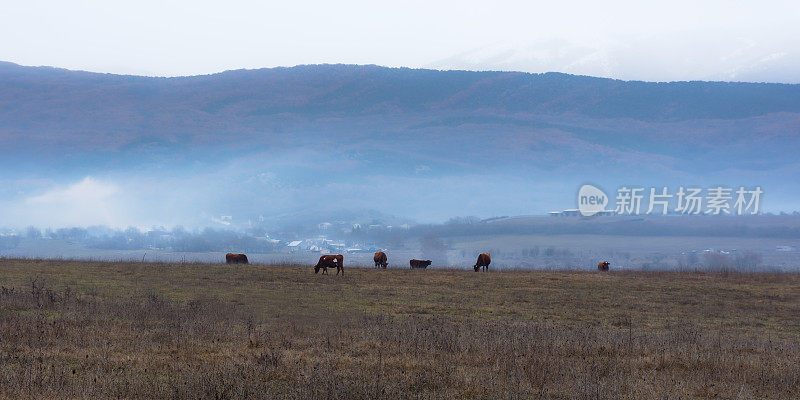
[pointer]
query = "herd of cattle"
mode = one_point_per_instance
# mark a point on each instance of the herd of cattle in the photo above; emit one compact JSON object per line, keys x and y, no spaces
{"x":382,"y":261}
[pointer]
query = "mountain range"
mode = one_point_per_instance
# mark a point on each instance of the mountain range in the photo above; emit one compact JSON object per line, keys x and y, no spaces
{"x":426,"y":145}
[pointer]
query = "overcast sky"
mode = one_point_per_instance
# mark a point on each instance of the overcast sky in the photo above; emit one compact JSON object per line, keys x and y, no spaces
{"x":664,"y":40}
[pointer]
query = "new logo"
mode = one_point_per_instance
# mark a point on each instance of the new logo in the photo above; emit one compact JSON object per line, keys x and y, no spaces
{"x":591,"y":200}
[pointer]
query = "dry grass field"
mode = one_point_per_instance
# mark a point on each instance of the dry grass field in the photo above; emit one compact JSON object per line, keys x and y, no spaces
{"x":72,"y":329}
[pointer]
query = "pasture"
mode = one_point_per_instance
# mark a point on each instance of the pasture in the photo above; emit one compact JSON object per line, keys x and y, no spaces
{"x":148,"y":330}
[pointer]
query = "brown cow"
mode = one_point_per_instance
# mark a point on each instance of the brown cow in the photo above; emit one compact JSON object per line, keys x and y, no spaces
{"x":419,"y":263}
{"x":231,"y":258}
{"x":380,"y":259}
{"x":484,"y":260}
{"x":603,"y":266}
{"x":330,"y":261}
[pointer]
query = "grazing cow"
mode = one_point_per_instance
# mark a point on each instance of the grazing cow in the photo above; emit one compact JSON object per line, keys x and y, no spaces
{"x":330,"y":261}
{"x":484,"y":260}
{"x":380,"y":259}
{"x":419,"y":263}
{"x":603,"y":266}
{"x":231,"y":258}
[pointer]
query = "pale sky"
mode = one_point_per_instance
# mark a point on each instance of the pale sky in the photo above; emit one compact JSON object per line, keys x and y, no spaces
{"x":665,"y":40}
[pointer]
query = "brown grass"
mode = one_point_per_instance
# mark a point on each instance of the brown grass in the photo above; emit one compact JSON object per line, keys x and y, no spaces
{"x":99,"y":330}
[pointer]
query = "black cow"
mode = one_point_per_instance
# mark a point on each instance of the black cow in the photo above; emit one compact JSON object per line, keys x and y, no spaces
{"x":419,"y":263}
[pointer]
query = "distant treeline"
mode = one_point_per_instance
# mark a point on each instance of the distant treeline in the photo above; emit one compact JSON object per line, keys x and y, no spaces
{"x":255,"y":240}
{"x":776,"y":226}
{"x":9,"y":242}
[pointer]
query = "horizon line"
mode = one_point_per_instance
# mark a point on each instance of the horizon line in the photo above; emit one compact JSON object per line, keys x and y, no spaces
{"x":383,"y":67}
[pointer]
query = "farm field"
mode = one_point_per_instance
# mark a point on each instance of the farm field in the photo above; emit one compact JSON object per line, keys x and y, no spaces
{"x":73,"y":329}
